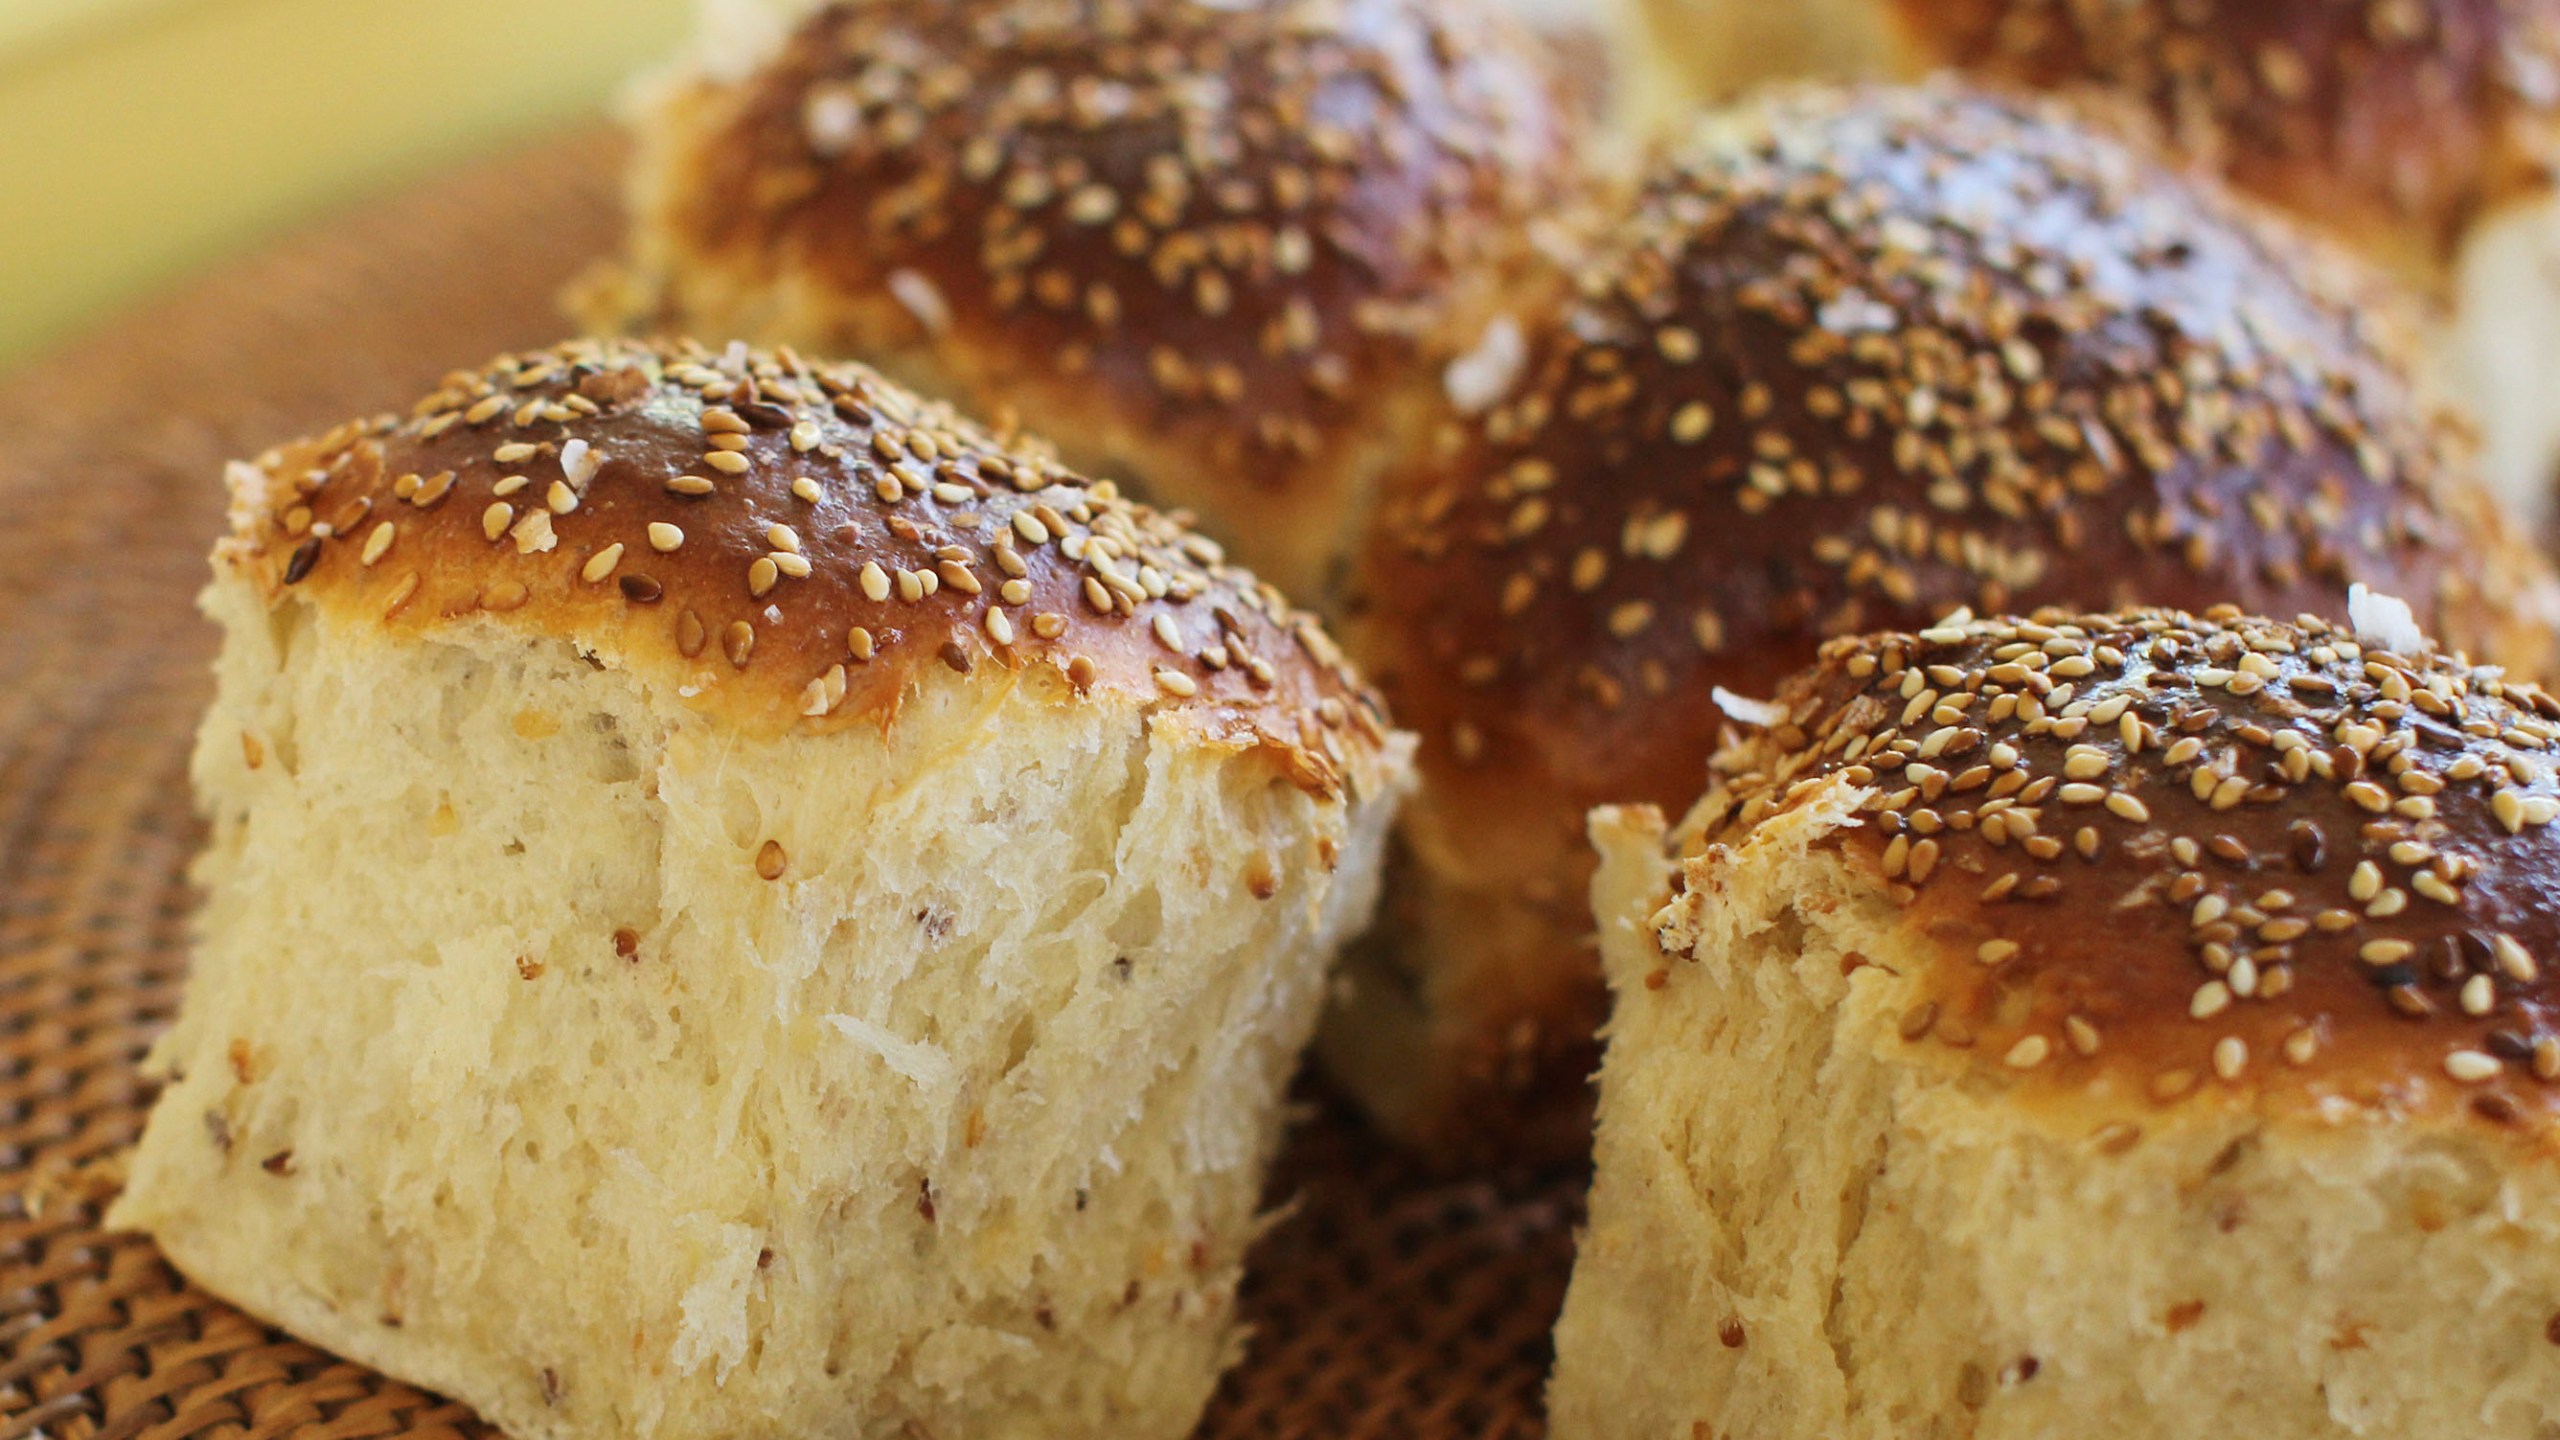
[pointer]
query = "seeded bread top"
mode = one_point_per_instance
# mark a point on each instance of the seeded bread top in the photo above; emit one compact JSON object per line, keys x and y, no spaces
{"x":1858,"y":357}
{"x":786,"y":543}
{"x":2151,"y":852}
{"x":1235,"y":219}
{"x":2398,"y":122}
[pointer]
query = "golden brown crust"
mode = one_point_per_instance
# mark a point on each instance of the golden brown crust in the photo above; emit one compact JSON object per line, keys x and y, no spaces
{"x":2149,"y":852}
{"x":1231,"y":224}
{"x":784,"y":543}
{"x":2396,"y":121}
{"x":1858,"y":358}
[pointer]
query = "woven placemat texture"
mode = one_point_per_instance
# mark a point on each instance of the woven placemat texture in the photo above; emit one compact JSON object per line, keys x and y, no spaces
{"x":1389,"y":1304}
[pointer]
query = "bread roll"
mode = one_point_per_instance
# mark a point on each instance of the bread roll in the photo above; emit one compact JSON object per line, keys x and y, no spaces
{"x":740,"y":905}
{"x":1225,"y":247}
{"x":2129,"y":1025}
{"x":1855,"y":358}
{"x":2424,"y":131}
{"x":2399,"y":123}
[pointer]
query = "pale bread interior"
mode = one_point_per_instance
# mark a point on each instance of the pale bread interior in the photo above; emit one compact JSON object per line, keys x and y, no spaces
{"x":955,"y":1125}
{"x":1802,"y":1226}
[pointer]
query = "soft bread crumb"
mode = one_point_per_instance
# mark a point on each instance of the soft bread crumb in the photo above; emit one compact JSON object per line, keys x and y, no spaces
{"x":952,"y":1123}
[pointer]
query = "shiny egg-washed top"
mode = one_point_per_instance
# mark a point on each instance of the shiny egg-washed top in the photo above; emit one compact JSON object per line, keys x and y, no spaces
{"x":2396,"y":120}
{"x":785,"y":544}
{"x":1241,"y":216}
{"x":1857,"y":357}
{"x":2153,"y":853}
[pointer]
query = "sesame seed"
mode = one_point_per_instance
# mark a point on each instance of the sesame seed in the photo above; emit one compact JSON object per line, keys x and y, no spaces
{"x":664,"y":538}
{"x":1691,"y":422}
{"x":2230,"y":1057}
{"x":2211,"y":999}
{"x":1174,"y":682}
{"x":875,"y":581}
{"x":2471,"y":1067}
{"x":378,"y":543}
{"x":2028,"y":1053}
{"x":2083,"y":1035}
{"x":2385,"y":952}
{"x":691,"y":485}
{"x":601,"y":564}
{"x":2479,"y":995}
{"x":2242,"y":978}
{"x":824,"y":693}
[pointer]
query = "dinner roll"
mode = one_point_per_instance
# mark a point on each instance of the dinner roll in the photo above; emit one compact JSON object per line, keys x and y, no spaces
{"x":2425,"y":131}
{"x":2397,"y":122}
{"x":743,"y":905}
{"x":2128,"y":1025}
{"x":1855,"y":358}
{"x":1224,"y":245}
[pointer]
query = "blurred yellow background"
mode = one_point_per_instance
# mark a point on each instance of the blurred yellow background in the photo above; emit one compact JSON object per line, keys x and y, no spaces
{"x":141,"y":138}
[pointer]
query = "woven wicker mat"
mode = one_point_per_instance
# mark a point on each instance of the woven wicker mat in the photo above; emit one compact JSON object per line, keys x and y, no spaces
{"x":1389,"y":1305}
